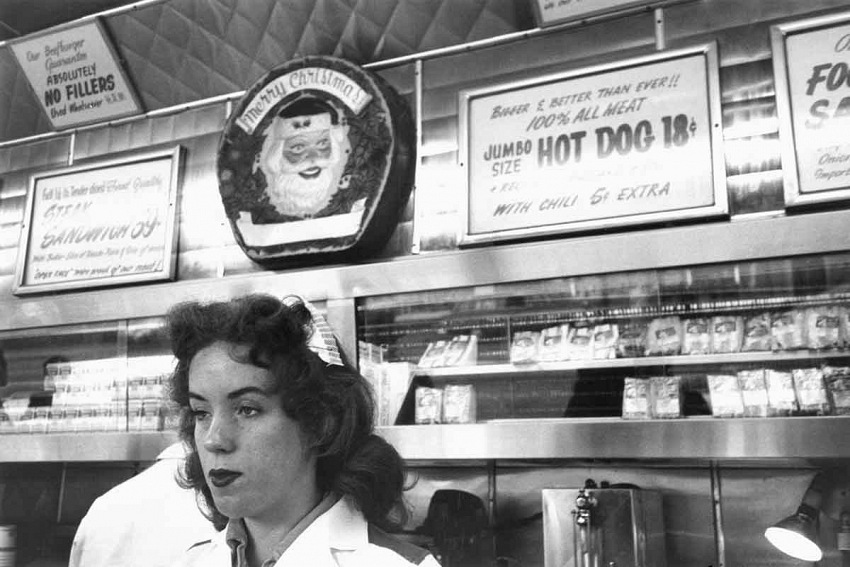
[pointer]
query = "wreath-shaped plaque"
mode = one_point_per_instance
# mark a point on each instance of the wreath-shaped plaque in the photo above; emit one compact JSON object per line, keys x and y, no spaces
{"x":316,"y":162}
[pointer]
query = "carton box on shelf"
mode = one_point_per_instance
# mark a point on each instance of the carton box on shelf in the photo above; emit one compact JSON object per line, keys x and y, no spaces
{"x":392,"y":382}
{"x":459,"y":404}
{"x":429,"y":405}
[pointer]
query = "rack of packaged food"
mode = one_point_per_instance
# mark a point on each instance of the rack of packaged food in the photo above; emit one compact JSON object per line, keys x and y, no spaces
{"x":757,"y":356}
{"x":109,"y":395}
{"x":809,"y":324}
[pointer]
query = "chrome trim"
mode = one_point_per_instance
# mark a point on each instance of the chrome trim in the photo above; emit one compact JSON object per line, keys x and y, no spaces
{"x":418,"y":98}
{"x":709,"y":243}
{"x":84,"y":447}
{"x":766,"y":357}
{"x":660,"y":36}
{"x":695,"y":439}
{"x":717,"y":515}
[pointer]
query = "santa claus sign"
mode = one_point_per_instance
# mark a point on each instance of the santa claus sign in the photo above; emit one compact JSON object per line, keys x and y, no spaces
{"x":316,"y":162}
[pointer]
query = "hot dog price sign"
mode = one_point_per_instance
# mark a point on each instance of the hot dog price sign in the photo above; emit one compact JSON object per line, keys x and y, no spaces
{"x":811,"y":61}
{"x":75,"y":75}
{"x":626,"y":143}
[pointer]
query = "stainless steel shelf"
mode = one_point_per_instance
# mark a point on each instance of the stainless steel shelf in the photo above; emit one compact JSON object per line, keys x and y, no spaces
{"x":83,"y":447}
{"x":744,"y":239}
{"x":766,"y":357}
{"x":613,"y":438}
{"x":693,"y":439}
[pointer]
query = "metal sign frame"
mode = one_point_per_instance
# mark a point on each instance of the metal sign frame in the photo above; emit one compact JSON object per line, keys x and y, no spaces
{"x":87,"y":230}
{"x":797,"y":114}
{"x":715,"y":204}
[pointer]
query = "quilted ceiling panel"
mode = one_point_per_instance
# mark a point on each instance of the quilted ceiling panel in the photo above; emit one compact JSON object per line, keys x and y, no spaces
{"x":180,"y":51}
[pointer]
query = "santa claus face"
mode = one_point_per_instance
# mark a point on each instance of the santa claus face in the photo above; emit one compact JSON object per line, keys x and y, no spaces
{"x":303,"y":158}
{"x":308,"y":153}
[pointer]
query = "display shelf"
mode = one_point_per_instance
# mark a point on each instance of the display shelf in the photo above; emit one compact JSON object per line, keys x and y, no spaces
{"x":692,"y":439}
{"x":804,"y":357}
{"x":83,"y":447}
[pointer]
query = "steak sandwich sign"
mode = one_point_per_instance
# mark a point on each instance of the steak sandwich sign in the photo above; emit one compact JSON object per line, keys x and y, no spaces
{"x":632,"y":142}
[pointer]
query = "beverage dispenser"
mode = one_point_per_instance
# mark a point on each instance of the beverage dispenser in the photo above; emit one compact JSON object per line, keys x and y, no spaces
{"x":603,"y":527}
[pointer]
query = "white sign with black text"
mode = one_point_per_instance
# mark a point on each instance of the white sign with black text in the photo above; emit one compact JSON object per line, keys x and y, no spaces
{"x":812,"y":66}
{"x":75,"y":75}
{"x":628,"y":143}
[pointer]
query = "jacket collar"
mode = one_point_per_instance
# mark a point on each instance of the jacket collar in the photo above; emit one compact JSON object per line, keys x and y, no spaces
{"x":341,"y":528}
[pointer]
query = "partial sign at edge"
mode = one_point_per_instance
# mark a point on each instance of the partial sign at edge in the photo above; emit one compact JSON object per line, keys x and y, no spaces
{"x":811,"y":63}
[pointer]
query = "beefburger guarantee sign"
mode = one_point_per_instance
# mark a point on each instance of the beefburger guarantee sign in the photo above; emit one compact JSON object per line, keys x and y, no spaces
{"x":316,"y":162}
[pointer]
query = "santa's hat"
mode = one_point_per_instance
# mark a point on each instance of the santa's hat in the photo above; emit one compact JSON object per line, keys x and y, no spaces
{"x":303,"y":124}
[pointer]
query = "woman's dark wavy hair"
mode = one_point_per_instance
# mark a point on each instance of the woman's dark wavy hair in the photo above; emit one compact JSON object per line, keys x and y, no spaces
{"x":332,"y":404}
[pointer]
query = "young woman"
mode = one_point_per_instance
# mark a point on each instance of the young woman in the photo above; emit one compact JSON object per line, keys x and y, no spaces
{"x":283,"y":448}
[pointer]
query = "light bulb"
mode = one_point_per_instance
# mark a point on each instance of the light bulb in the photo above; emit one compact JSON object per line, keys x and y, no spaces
{"x":793,"y":544}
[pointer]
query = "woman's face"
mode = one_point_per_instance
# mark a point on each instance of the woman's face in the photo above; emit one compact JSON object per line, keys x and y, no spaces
{"x":254,"y":457}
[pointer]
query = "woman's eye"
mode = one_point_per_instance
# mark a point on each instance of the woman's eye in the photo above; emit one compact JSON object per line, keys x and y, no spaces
{"x":198,"y":414}
{"x":248,"y":411}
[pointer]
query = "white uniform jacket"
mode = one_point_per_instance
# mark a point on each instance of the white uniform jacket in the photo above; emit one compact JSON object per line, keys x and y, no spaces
{"x":146,"y":521}
{"x":340,"y":537}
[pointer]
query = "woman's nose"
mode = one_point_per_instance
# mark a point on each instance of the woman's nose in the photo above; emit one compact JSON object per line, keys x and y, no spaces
{"x":219,"y":436}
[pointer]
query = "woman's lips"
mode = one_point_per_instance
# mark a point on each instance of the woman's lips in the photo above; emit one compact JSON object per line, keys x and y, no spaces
{"x":222,"y":477}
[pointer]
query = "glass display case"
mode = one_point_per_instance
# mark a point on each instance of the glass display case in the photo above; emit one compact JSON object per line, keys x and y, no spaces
{"x":107,"y":377}
{"x":712,"y":351}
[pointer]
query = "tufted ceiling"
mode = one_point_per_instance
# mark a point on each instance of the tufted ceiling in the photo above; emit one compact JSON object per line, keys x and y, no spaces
{"x":21,"y":17}
{"x":180,"y":51}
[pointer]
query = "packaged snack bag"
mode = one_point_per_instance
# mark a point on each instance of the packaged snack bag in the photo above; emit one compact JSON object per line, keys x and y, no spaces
{"x":580,"y":342}
{"x":788,"y":329}
{"x":433,"y":355}
{"x":462,"y":350}
{"x":725,"y":393}
{"x":665,"y":396}
{"x":757,"y":335}
{"x":781,"y":397}
{"x":524,"y":347}
{"x":811,"y":391}
{"x":838,"y":383}
{"x":753,"y":392}
{"x":823,"y":327}
{"x":605,"y":341}
{"x":636,"y":403}
{"x":631,"y":339}
{"x":553,"y":343}
{"x":697,"y":336}
{"x":727,"y":333}
{"x":664,"y":336}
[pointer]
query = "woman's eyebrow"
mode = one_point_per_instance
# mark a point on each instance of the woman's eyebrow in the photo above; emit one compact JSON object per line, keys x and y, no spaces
{"x":247,"y":390}
{"x":234,"y":394}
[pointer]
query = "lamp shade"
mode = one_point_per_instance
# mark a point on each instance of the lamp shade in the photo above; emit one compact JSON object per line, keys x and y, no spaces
{"x":797,"y":536}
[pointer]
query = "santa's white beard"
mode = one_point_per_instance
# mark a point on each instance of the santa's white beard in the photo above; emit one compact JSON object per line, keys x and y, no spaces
{"x":293,"y":195}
